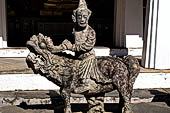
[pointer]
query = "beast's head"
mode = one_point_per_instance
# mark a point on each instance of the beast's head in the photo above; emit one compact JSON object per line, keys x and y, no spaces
{"x":45,"y":42}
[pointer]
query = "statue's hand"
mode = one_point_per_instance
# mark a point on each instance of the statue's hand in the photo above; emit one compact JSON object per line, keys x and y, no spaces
{"x":67,"y":44}
{"x":56,"y":49}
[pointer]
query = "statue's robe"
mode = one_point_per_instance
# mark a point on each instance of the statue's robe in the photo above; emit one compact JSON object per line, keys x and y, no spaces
{"x":84,"y":51}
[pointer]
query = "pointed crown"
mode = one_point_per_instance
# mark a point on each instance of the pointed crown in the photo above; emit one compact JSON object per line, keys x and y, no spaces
{"x":82,"y":5}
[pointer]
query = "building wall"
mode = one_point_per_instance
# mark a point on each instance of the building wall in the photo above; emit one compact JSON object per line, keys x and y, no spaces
{"x":128,"y":30}
{"x":129,"y":21}
{"x":134,"y":17}
{"x":0,"y":19}
{"x":134,"y":24}
{"x":3,"y":30}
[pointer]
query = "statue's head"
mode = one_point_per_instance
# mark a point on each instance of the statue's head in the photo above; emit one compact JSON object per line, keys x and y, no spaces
{"x":82,"y":14}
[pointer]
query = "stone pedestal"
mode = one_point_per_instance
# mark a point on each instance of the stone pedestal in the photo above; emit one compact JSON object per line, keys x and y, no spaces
{"x":156,"y":51}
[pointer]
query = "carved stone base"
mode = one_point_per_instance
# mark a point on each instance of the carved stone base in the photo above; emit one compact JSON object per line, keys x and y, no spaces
{"x":95,"y":104}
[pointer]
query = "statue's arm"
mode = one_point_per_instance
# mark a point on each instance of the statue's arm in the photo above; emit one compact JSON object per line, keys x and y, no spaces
{"x":86,"y":46}
{"x":56,"y":49}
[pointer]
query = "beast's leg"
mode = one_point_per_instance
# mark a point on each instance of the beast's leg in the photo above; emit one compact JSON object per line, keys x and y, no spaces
{"x":124,"y":103}
{"x":124,"y":94}
{"x":66,"y":96}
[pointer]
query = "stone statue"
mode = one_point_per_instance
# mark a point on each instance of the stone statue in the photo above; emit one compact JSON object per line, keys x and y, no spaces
{"x":83,"y":73}
{"x":85,"y":39}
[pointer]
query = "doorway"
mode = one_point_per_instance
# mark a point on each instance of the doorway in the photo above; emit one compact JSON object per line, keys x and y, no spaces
{"x":53,"y":18}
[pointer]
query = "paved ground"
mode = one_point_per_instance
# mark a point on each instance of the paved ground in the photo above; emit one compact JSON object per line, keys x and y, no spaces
{"x":143,"y":101}
{"x":155,"y":107}
{"x":15,"y":109}
{"x":51,"y":97}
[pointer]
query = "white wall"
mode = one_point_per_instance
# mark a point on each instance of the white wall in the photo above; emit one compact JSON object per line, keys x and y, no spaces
{"x":156,"y":52}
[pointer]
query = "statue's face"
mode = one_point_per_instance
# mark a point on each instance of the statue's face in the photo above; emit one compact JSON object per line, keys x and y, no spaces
{"x":82,"y":18}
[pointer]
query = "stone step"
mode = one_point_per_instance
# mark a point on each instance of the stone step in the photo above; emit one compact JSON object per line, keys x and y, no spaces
{"x":14,"y":70}
{"x":51,"y":96}
{"x":12,"y":82}
{"x":19,"y":66}
{"x":16,"y":52}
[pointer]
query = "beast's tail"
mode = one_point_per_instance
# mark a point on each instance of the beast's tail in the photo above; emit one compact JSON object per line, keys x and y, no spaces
{"x":133,"y":67}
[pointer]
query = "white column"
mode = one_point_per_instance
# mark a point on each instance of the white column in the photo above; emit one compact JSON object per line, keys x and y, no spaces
{"x":3,"y":30}
{"x":119,"y":24}
{"x":156,"y":51}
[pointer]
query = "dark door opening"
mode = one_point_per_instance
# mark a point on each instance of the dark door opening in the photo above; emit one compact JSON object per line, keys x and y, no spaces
{"x":53,"y":18}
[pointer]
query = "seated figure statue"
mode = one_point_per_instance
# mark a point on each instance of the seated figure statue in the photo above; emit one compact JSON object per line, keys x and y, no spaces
{"x":83,"y":73}
{"x":85,"y":39}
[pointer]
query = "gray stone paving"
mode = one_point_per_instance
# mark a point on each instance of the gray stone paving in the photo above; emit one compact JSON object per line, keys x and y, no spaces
{"x":155,"y":107}
{"x":47,"y":97}
{"x":144,"y":101}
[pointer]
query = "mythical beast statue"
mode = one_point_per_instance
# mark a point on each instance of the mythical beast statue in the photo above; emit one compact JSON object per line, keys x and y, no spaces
{"x":62,"y":69}
{"x":83,"y":73}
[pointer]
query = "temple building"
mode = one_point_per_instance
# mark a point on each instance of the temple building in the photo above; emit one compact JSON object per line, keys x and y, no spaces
{"x":134,"y":27}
